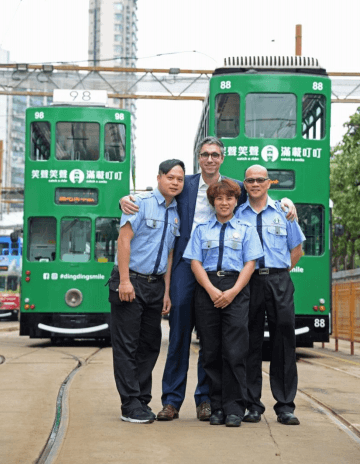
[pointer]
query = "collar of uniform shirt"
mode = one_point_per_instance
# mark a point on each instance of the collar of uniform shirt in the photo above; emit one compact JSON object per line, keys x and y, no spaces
{"x":270,"y":202}
{"x":158,"y":195}
{"x":213,"y":221}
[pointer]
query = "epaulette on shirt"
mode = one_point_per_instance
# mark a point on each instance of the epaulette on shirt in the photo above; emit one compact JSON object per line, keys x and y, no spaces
{"x":279,"y":209}
{"x":243,"y":223}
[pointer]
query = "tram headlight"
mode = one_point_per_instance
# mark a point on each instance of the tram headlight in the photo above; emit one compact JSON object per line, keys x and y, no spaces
{"x":73,"y":297}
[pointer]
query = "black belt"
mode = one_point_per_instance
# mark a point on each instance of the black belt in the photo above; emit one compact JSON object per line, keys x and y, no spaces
{"x":149,"y":278}
{"x":270,"y":270}
{"x":223,"y":273}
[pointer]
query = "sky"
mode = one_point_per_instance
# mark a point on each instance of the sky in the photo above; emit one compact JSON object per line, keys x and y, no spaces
{"x":191,"y":34}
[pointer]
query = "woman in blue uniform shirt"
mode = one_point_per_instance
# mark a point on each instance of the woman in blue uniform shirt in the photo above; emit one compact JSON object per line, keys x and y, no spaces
{"x":223,"y":253}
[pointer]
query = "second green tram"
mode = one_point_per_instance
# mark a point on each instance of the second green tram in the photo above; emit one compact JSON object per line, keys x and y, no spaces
{"x":275,"y":111}
{"x":77,"y":166}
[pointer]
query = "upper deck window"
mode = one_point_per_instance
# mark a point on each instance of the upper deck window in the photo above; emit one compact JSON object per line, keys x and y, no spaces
{"x":313,"y":116}
{"x":227,"y":115}
{"x":40,"y":141}
{"x":115,"y":142}
{"x":77,"y":141}
{"x":270,"y":115}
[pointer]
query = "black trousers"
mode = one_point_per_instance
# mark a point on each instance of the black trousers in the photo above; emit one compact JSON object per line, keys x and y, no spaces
{"x":272,"y":294}
{"x":136,"y":340}
{"x":224,"y":340}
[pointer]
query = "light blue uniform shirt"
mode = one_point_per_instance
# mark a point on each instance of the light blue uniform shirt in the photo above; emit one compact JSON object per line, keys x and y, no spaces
{"x":155,"y":228}
{"x":280,"y":236}
{"x":241,"y":243}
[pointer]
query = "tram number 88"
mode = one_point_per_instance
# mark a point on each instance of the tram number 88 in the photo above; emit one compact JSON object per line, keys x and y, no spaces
{"x":319,"y":323}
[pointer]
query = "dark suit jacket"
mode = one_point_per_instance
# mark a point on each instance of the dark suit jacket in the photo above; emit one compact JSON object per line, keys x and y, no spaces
{"x":186,"y":203}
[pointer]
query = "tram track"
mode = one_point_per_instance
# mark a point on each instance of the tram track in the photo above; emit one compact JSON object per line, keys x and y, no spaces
{"x":56,"y":437}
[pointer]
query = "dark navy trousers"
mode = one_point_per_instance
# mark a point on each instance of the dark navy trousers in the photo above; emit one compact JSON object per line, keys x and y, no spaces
{"x":181,"y":321}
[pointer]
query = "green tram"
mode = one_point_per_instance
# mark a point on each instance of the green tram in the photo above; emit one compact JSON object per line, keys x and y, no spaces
{"x":275,"y":111}
{"x":77,"y":166}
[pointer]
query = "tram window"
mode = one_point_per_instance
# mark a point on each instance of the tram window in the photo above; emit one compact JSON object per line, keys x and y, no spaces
{"x":75,"y":240}
{"x":3,"y":248}
{"x":227,"y":115}
{"x":115,"y":142}
{"x":106,"y":234}
{"x":312,"y":223}
{"x":40,"y":141}
{"x":41,"y":239}
{"x":12,"y":283}
{"x":2,"y":283}
{"x":77,"y":141}
{"x":270,"y":115}
{"x":313,"y":116}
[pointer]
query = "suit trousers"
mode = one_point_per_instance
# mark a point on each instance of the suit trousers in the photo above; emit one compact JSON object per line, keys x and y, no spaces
{"x":224,"y":339}
{"x":181,"y":326}
{"x":272,"y":294}
{"x":136,"y":341}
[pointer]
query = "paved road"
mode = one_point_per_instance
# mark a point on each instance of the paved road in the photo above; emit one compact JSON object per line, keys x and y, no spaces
{"x":91,"y":430}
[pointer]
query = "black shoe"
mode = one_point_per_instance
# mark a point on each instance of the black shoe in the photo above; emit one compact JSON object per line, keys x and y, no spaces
{"x":138,"y":416}
{"x":252,"y":416}
{"x":287,"y":418}
{"x":232,"y":420}
{"x":217,"y":417}
{"x":147,"y":409}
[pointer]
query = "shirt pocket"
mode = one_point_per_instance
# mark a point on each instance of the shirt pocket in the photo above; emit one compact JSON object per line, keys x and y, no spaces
{"x":153,"y":230}
{"x":210,"y":251}
{"x":233,"y":254}
{"x":278,"y":236}
{"x":172,"y":232}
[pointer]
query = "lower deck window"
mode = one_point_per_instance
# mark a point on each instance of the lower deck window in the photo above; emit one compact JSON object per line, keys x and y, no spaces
{"x":107,"y":230}
{"x":41,"y":239}
{"x":312,"y":223}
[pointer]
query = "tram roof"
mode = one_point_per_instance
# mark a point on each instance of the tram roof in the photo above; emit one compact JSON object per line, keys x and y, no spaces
{"x":278,"y":64}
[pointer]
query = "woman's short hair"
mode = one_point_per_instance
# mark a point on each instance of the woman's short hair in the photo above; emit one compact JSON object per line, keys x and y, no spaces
{"x":226,"y":187}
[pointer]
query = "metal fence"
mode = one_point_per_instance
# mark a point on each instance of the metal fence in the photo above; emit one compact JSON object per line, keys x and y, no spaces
{"x":346,"y":307}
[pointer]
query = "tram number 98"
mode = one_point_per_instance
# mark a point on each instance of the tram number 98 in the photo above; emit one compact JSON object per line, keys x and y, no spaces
{"x":85,"y":95}
{"x":119,"y":116}
{"x":319,"y":323}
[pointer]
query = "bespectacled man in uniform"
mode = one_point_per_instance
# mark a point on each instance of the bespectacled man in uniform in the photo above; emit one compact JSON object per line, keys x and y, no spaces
{"x":271,"y":293}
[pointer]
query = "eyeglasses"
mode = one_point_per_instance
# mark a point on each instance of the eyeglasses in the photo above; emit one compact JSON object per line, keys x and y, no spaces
{"x":259,"y":180}
{"x":214,"y":156}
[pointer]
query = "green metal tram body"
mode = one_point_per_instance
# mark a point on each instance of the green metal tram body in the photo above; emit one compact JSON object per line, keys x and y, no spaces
{"x":77,"y":167}
{"x":276,"y":113}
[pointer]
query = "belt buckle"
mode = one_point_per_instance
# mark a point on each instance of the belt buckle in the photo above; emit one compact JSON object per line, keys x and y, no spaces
{"x":150,"y":278}
{"x":264,"y":271}
{"x":220,"y":274}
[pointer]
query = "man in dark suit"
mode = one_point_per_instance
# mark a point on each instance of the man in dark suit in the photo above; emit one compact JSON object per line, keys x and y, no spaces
{"x":193,"y":209}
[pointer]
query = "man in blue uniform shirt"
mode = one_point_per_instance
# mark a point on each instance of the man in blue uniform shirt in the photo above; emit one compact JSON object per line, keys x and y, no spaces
{"x":139,"y":290}
{"x":271,"y":292}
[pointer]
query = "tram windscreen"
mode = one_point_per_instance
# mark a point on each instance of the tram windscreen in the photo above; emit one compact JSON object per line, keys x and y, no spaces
{"x":40,"y":141}
{"x":312,"y":223}
{"x":115,"y":142}
{"x":75,"y":240}
{"x":270,"y":115}
{"x":77,"y":141}
{"x":106,"y":235}
{"x":227,"y":115}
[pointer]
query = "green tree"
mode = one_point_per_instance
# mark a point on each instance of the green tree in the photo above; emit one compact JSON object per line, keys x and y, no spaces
{"x":345,"y":193}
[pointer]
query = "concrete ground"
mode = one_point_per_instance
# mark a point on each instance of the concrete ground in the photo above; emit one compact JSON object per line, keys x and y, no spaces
{"x":32,"y":374}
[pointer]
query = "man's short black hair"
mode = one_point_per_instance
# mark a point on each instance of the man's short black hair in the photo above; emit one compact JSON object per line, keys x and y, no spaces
{"x":167,"y":165}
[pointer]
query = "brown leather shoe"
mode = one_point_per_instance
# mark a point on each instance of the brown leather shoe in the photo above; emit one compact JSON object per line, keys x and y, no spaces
{"x":168,"y":413}
{"x":203,"y":411}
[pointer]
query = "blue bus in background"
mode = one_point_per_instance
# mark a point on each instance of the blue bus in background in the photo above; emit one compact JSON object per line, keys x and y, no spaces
{"x":11,"y":247}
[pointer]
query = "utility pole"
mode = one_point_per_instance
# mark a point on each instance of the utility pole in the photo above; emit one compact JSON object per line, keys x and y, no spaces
{"x":298,"y":39}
